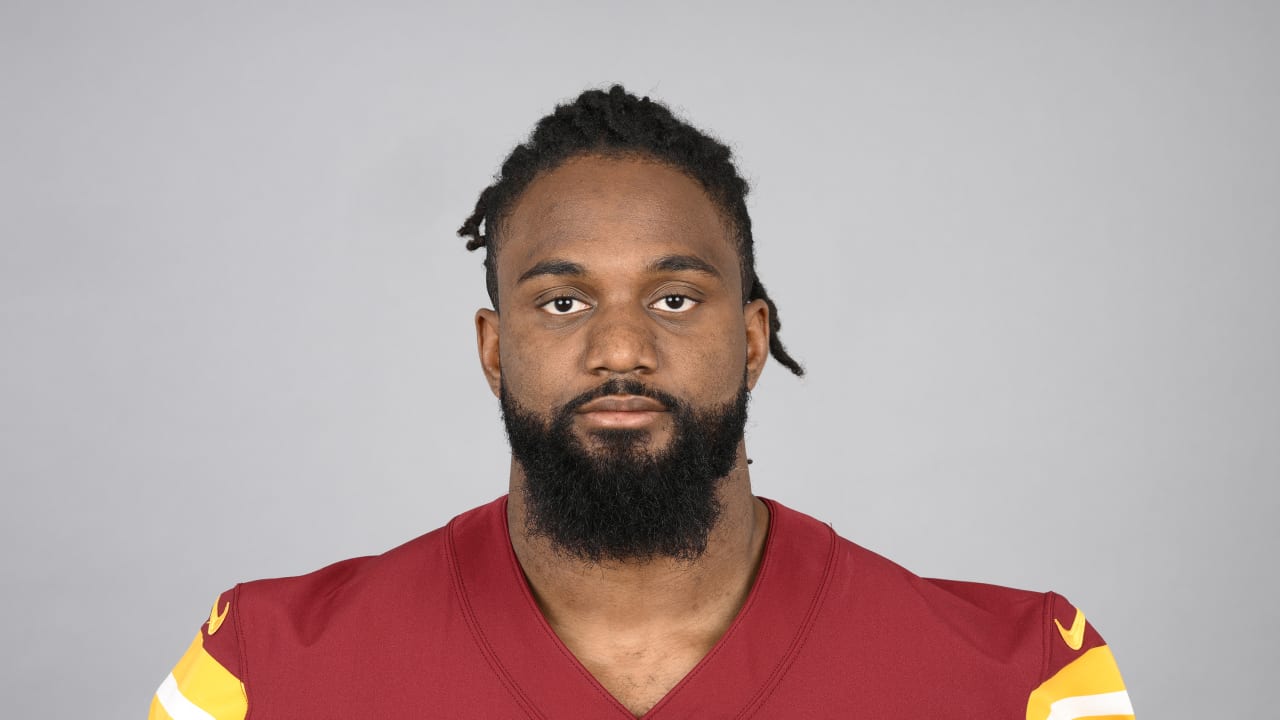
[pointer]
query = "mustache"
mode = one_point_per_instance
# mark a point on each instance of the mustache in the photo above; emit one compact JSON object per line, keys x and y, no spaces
{"x":618,"y":386}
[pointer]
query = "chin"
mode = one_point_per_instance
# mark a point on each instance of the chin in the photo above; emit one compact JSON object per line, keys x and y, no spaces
{"x":627,"y":441}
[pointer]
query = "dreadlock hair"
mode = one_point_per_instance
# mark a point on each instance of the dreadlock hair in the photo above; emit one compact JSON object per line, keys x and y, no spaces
{"x":618,"y":124}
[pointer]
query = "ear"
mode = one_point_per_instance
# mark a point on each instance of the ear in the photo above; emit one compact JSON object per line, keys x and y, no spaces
{"x":487,"y":344}
{"x":755,"y":315}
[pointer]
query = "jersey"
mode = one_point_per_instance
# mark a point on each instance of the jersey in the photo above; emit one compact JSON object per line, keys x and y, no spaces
{"x":445,"y":626}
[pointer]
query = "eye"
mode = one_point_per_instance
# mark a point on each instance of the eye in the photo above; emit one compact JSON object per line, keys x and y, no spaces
{"x":564,"y":305}
{"x":675,"y":303}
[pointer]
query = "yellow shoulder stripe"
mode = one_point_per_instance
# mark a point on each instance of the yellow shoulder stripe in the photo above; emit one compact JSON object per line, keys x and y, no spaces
{"x":199,"y":680}
{"x":1091,"y":680}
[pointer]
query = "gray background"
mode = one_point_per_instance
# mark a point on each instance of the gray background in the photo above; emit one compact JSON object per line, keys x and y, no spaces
{"x":1028,"y":251}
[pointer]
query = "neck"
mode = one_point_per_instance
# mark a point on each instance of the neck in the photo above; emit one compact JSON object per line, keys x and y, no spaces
{"x":694,"y":599}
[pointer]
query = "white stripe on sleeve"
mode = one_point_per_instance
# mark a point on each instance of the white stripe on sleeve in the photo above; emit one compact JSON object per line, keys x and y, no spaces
{"x":1086,"y":706}
{"x":177,"y":704}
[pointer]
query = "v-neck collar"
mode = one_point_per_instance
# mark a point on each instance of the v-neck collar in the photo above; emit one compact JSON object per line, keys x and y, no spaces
{"x":732,"y":681}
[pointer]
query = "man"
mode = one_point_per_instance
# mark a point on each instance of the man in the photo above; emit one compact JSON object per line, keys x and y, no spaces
{"x":630,"y":571}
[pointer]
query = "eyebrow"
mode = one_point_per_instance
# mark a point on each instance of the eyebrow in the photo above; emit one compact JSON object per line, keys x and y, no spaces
{"x":666,"y":263}
{"x":678,"y":263}
{"x":554,"y":266}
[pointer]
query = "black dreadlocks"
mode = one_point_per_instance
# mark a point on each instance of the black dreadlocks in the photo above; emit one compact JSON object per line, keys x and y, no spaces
{"x":617,"y":123}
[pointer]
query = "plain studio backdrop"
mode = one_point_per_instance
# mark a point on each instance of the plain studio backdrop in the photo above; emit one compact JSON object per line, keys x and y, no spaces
{"x":1027,"y":251}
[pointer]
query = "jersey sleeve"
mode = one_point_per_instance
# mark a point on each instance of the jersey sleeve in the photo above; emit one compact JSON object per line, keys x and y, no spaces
{"x":208,"y":682}
{"x":1080,"y":678}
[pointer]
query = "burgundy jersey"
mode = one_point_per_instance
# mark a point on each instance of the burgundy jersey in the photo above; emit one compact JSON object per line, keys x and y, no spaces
{"x":445,"y":626}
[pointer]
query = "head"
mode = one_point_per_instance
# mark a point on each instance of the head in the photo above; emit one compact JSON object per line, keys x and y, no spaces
{"x":628,"y":324}
{"x":618,"y":124}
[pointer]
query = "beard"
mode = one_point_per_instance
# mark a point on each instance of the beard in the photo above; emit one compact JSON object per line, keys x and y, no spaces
{"x":618,"y":500}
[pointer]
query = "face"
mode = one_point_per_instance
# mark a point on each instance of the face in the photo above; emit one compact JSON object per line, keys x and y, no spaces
{"x":623,"y":337}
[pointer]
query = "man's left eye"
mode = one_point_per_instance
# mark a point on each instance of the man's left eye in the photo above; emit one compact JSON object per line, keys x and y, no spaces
{"x":675,"y":303}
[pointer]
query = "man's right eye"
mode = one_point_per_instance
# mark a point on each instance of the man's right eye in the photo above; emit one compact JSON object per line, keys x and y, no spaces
{"x":564,"y":305}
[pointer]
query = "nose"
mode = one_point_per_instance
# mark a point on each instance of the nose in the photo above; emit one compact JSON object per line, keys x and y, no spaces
{"x":621,"y":342}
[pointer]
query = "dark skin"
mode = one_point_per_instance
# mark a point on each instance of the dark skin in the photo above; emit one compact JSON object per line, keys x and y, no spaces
{"x":625,"y":268}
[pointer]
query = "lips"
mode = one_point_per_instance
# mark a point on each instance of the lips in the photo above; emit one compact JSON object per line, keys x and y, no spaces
{"x":623,"y":404}
{"x":621,"y":412}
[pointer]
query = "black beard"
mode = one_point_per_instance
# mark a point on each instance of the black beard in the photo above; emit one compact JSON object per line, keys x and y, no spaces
{"x":617,"y":501}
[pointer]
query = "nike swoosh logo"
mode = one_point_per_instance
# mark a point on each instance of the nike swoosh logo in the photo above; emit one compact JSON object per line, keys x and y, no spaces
{"x":215,"y":619}
{"x":1074,"y":637}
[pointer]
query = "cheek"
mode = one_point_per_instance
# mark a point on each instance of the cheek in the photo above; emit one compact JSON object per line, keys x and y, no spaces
{"x":534,"y":372}
{"x":716,"y":364}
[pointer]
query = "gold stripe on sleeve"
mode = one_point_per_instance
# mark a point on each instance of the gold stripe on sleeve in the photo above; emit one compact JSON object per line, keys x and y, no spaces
{"x":208,"y":685}
{"x":1093,"y":673}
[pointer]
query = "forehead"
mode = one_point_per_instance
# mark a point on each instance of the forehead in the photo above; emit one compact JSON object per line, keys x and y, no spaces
{"x":606,"y":211}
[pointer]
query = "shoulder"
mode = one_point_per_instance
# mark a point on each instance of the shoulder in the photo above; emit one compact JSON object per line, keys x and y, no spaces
{"x":1036,"y":631}
{"x":267,"y":636}
{"x":329,"y":584}
{"x":884,"y":637}
{"x":353,"y":596}
{"x":421,"y":567}
{"x":857,"y":572}
{"x":865,"y":577}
